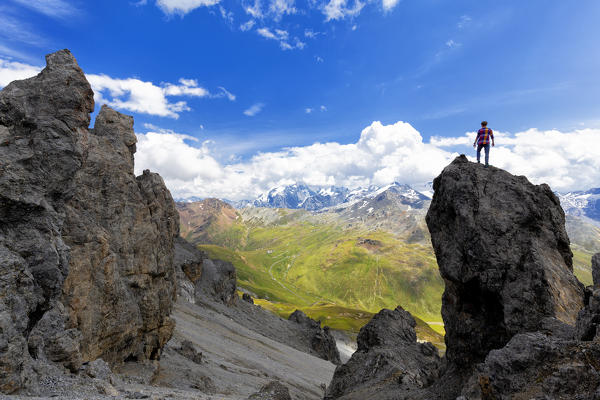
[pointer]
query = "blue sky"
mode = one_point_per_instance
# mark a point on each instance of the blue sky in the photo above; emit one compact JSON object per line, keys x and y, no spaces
{"x":241,"y":79}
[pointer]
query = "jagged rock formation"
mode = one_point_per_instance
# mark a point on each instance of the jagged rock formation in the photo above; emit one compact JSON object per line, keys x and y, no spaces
{"x":199,"y":276}
{"x":86,"y":248}
{"x":388,"y":354}
{"x":321,"y":339}
{"x":504,"y":254}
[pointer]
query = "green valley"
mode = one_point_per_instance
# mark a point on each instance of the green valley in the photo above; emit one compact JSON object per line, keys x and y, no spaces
{"x":337,"y":269}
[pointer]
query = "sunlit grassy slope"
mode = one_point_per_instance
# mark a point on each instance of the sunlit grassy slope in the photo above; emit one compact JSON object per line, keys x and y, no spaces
{"x":337,"y":272}
{"x":301,"y":263}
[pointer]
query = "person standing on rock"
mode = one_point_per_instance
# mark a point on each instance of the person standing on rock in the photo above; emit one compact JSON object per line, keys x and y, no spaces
{"x":482,"y":141}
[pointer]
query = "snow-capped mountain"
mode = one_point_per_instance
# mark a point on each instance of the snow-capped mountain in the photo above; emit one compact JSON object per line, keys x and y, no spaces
{"x":302,"y":196}
{"x":585,"y":204}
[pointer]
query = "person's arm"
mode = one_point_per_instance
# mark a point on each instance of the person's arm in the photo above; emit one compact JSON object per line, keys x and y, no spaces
{"x":492,"y":136}
{"x":476,"y":137}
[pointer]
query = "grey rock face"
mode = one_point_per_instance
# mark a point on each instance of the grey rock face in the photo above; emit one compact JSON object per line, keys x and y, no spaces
{"x":596,"y":269}
{"x":188,"y":266}
{"x":536,"y":366}
{"x":218,"y":281}
{"x":273,"y":390}
{"x":199,"y":276}
{"x":388,"y":355}
{"x":86,"y":248}
{"x":504,"y":254}
{"x":321,"y":339}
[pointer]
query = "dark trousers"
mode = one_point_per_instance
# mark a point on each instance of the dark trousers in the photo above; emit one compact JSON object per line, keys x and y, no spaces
{"x":487,"y":152}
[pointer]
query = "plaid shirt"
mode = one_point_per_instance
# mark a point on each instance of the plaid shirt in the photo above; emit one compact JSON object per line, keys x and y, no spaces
{"x":484,"y":135}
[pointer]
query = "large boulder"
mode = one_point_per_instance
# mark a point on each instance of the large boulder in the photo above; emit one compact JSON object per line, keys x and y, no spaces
{"x":504,"y":255}
{"x":388,"y":358}
{"x":86,"y":248}
{"x":321,"y":340}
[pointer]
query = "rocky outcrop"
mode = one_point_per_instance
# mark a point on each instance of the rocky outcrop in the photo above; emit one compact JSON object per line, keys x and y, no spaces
{"x":512,"y":308}
{"x":218,"y":281}
{"x":273,"y":390}
{"x":596,"y":269}
{"x":388,"y":355}
{"x":537,"y":366}
{"x":202,"y":277}
{"x":86,"y":248}
{"x":504,"y":255}
{"x":321,"y":339}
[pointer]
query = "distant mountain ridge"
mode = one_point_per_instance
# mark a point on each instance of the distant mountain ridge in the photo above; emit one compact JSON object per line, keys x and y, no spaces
{"x":584,"y":204}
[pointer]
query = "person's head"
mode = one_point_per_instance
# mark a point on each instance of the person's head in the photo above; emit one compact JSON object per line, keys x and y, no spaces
{"x":484,"y":123}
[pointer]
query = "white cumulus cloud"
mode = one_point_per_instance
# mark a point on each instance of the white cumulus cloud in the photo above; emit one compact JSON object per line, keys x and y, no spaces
{"x":130,"y":94}
{"x":12,"y":71}
{"x":382,"y":154}
{"x":135,"y":95}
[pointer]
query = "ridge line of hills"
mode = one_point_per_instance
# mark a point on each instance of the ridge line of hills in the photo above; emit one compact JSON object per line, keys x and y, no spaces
{"x":584,"y":204}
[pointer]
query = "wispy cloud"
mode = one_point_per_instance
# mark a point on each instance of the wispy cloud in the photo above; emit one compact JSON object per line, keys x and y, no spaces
{"x":309,"y":33}
{"x":246,"y":26}
{"x":453,"y":44}
{"x":279,"y":8}
{"x":308,"y":110}
{"x":182,"y":7}
{"x":283,"y":37}
{"x":254,"y":109}
{"x":52,"y":8}
{"x":254,"y":10}
{"x":464,"y":21}
{"x":340,"y":9}
{"x":225,"y":93}
{"x":227,"y":15}
{"x":15,"y":30}
{"x":388,"y":5}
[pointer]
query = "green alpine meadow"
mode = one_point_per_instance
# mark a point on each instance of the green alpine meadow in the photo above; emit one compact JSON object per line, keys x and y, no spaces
{"x":340,"y":265}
